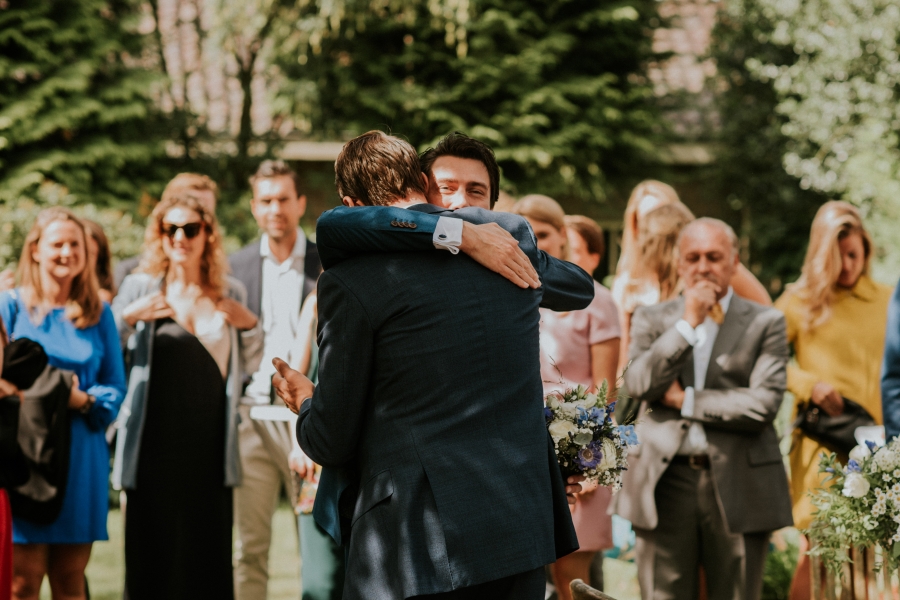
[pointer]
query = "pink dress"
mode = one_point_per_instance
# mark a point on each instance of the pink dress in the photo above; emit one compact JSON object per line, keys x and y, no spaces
{"x":566,"y":340}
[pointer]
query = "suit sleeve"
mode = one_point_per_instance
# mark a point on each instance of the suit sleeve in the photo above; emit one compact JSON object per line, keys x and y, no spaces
{"x":890,"y":373}
{"x":566,"y":286}
{"x":751,"y":408}
{"x":656,"y":360}
{"x":343,"y":232}
{"x":329,"y":426}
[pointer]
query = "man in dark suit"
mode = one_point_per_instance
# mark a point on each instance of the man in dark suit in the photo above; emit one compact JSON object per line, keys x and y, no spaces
{"x":430,"y":390}
{"x":279,"y":271}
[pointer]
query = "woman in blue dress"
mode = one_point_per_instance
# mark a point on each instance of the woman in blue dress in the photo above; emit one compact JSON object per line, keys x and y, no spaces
{"x":57,"y":305}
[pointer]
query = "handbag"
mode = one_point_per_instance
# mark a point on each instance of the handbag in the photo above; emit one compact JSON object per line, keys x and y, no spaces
{"x":835,"y":433}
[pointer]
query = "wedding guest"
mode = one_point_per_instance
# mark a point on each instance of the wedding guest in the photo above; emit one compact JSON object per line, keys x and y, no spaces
{"x":586,"y":244}
{"x":177,"y":453}
{"x":647,"y":196}
{"x":578,"y":347}
{"x":100,"y":259}
{"x":706,"y":486}
{"x":200,"y":186}
{"x":279,"y":271}
{"x":58,"y":306}
{"x":836,"y":320}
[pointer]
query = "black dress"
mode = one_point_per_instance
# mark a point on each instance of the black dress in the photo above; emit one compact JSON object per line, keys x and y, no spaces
{"x":178,"y":520}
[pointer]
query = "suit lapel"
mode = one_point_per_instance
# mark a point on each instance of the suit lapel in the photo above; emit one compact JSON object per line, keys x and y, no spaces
{"x":729,"y":334}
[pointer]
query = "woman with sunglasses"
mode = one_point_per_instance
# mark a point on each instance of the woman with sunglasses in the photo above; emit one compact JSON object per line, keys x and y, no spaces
{"x":189,"y":336}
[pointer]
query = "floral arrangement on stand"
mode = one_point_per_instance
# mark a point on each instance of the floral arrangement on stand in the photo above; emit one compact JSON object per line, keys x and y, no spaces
{"x":587,"y":440}
{"x":859,"y":506}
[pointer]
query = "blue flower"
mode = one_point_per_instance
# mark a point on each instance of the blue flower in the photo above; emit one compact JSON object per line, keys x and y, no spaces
{"x":611,"y":407}
{"x":548,"y":414}
{"x":628,"y":435}
{"x":589,"y":456}
{"x":597,"y":415}
{"x":853,"y":467}
{"x":829,"y":470}
{"x":872,"y":446}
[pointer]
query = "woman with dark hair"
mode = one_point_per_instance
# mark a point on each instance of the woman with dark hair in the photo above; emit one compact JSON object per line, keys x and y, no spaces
{"x":57,"y":305}
{"x":100,"y":259}
{"x":192,"y":338}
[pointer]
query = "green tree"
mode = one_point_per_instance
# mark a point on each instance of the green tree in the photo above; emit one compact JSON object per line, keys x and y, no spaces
{"x":839,"y":102}
{"x":776,"y":212}
{"x":555,"y":86}
{"x":76,"y":106}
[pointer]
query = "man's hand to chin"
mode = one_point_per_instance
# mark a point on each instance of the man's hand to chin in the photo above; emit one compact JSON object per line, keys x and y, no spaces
{"x":291,"y":386}
{"x":699,"y":298}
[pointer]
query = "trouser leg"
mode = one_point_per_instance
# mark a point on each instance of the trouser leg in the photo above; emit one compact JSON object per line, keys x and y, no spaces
{"x":264,"y":447}
{"x":667,"y":557}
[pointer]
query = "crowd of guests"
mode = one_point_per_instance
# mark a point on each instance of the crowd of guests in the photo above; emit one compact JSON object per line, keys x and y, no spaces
{"x":168,"y":354}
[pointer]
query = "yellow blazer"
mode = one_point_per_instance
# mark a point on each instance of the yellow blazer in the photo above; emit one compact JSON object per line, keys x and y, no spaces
{"x":845,"y":352}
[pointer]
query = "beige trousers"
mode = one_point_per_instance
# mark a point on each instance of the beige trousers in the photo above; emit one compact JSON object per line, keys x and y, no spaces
{"x":265,"y":446}
{"x":692,"y":531}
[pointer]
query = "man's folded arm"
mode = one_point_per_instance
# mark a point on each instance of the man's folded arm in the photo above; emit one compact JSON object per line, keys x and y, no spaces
{"x":750,"y":408}
{"x":655,"y":362}
{"x":329,"y":426}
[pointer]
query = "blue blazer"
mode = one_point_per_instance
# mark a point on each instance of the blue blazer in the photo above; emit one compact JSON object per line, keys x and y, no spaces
{"x":890,"y":370}
{"x":428,"y":416}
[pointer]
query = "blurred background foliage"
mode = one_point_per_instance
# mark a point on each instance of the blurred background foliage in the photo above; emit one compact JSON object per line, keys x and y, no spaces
{"x":103,"y":101}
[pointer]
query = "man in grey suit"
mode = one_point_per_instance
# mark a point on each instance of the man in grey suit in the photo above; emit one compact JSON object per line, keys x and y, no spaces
{"x":707,"y":485}
{"x":430,"y":391}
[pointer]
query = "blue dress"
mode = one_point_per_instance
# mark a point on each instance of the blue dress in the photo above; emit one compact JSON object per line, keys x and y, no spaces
{"x":95,"y":356}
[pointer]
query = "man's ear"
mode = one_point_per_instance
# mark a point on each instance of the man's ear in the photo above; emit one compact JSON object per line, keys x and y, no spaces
{"x":350,"y":202}
{"x":425,"y":180}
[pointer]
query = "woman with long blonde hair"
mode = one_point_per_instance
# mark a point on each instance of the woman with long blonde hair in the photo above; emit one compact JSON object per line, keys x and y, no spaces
{"x":836,"y":320}
{"x":579,"y":347}
{"x":634,"y":282}
{"x":57,"y":305}
{"x":191,"y":340}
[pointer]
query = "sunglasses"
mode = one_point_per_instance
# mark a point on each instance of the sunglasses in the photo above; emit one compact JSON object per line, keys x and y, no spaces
{"x":191,"y":230}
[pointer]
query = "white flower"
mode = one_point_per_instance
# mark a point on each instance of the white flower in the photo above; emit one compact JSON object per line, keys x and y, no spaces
{"x":583,"y":437}
{"x":886,"y":459}
{"x":609,"y":460}
{"x":560,"y":429}
{"x":860,"y":453}
{"x":553,"y":401}
{"x":855,"y":486}
{"x":569,"y":410}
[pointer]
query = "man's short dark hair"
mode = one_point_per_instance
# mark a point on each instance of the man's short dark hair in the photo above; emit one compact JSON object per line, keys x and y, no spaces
{"x":460,"y":145}
{"x":377,"y":169}
{"x":275,"y":168}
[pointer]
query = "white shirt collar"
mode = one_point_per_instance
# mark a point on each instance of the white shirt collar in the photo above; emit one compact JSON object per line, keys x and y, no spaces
{"x":725,"y":302}
{"x":297,"y":252}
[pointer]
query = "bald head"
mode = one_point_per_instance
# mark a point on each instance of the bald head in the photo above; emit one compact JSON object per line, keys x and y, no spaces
{"x":708,"y":250}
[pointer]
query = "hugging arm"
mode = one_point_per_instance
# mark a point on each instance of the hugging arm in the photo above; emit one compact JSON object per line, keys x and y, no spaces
{"x":329,"y":426}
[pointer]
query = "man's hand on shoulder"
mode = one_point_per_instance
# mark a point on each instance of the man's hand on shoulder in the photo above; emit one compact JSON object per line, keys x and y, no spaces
{"x":291,"y":386}
{"x":496,"y":249}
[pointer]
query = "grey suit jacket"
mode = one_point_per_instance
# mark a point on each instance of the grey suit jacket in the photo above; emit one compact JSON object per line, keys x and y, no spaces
{"x":743,"y":391}
{"x":246,"y":351}
{"x":429,"y":387}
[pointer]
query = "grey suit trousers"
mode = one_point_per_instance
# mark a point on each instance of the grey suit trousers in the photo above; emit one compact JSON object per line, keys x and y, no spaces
{"x":692,"y":531}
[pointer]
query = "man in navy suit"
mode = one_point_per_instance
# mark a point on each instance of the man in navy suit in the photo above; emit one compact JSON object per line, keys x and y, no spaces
{"x":430,"y":391}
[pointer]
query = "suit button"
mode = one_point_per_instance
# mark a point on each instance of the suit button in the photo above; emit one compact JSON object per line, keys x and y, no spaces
{"x":684,"y":425}
{"x":665,"y":460}
{"x":412,"y":225}
{"x":395,"y":224}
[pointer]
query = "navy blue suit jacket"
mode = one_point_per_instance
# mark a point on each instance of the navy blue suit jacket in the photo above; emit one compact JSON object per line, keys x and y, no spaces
{"x":430,"y":394}
{"x":890,"y":370}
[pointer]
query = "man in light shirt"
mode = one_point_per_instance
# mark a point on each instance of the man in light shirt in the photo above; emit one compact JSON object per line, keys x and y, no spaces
{"x":279,"y":271}
{"x":707,"y":485}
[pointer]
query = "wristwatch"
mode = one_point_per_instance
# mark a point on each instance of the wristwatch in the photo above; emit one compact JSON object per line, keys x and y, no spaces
{"x":87,"y":406}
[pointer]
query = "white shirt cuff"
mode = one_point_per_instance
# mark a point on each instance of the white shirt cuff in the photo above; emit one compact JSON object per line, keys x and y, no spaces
{"x":687,"y":332}
{"x":687,"y":407}
{"x":448,"y":234}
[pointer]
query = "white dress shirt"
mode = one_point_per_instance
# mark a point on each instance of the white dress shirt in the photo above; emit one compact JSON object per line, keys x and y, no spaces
{"x":702,"y":338}
{"x":282,"y":294}
{"x":448,"y":234}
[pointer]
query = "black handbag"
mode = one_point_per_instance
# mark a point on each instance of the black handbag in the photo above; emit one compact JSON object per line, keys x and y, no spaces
{"x":835,"y":433}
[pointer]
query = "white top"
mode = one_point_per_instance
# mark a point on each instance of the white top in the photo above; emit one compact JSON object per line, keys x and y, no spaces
{"x":282,"y":291}
{"x":702,"y":338}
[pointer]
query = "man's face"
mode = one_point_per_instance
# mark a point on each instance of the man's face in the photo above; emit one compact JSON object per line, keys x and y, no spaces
{"x":459,"y":182}
{"x":706,"y":253}
{"x":276,"y":206}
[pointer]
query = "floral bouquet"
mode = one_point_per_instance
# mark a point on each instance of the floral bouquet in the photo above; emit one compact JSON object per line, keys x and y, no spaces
{"x":859,"y":506}
{"x":586,"y":440}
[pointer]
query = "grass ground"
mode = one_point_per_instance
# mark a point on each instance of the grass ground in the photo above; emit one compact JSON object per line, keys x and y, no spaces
{"x":106,"y":571}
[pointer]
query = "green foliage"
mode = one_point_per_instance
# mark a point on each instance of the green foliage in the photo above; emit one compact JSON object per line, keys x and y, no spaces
{"x":839,"y":101}
{"x":781,"y":562}
{"x":556,"y":87}
{"x":777,"y":212}
{"x":75,"y":106}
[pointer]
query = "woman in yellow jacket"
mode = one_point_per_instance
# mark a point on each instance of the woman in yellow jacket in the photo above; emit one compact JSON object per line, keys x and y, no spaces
{"x":836,"y":319}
